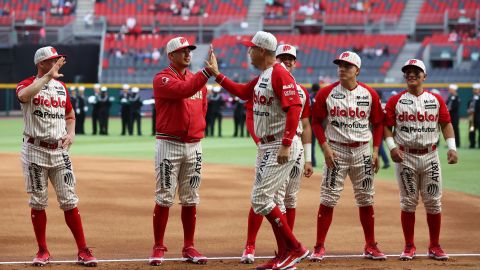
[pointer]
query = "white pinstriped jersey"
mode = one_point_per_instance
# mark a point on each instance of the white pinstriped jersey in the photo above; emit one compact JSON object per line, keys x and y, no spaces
{"x":269,"y":101}
{"x":305,"y":99}
{"x":348,"y":112}
{"x":44,"y":114}
{"x":416,"y":118}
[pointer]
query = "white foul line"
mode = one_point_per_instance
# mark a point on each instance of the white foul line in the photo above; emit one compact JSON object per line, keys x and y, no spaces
{"x":232,"y":258}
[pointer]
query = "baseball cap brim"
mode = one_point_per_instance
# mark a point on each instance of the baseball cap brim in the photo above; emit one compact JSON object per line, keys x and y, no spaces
{"x":248,"y":43}
{"x":287,"y":54}
{"x":405,"y":67}
{"x":191,"y":47}
{"x":338,"y":61}
{"x":53,"y":57}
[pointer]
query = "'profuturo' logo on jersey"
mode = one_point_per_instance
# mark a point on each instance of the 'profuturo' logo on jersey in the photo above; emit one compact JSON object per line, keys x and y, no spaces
{"x":425,"y":117}
{"x":349,"y":112}
{"x":48,"y":115}
{"x":52,"y":102}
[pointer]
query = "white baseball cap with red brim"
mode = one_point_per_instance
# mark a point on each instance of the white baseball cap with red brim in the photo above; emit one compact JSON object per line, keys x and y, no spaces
{"x":46,"y":53}
{"x":415,"y":63}
{"x":349,"y":57}
{"x":263,"y":40}
{"x":286,"y":49}
{"x":178,"y":43}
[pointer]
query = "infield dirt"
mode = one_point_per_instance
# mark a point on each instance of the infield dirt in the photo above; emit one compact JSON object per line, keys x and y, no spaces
{"x":117,"y":200}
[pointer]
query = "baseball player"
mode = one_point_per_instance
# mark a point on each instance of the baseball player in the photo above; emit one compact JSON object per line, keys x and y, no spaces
{"x":180,"y":105}
{"x":276,"y":114}
{"x":286,"y":197}
{"x":49,"y":131}
{"x":349,"y":108}
{"x":416,"y":115}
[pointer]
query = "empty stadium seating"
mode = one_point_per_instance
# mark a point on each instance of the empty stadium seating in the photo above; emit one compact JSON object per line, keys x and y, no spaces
{"x":210,"y":12}
{"x":315,"y":55}
{"x":20,"y":11}
{"x":335,"y":12}
{"x":134,"y":63}
{"x":433,"y":11}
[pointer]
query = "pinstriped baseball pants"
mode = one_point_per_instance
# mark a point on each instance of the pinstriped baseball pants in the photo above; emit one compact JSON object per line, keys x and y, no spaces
{"x":177,"y":164}
{"x":420,"y":175}
{"x":356,"y":162}
{"x":286,"y":196}
{"x":271,"y":176}
{"x":40,"y":164}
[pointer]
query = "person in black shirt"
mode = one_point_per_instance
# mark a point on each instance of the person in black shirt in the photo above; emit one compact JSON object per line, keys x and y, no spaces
{"x":239,"y":116}
{"x":136,"y":110}
{"x":474,"y":115}
{"x":104,"y":103}
{"x":453,"y":105}
{"x":81,"y":110}
{"x":125,"y":108}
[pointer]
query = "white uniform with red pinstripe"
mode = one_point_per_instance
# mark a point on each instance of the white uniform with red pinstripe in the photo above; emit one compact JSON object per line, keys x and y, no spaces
{"x":269,"y":123}
{"x":416,"y":121}
{"x":349,"y":114}
{"x":42,"y":154}
{"x":286,"y":197}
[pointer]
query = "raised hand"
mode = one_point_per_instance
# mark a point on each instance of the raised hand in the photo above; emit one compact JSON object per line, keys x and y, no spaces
{"x":53,"y":73}
{"x":212,"y":62}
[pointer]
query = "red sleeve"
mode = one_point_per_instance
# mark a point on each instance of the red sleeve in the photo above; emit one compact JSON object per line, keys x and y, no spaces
{"x":242,"y":90}
{"x":68,"y":105}
{"x":306,"y":108}
{"x":390,"y":117}
{"x":319,"y":112}
{"x":249,"y":120}
{"x":285,"y":87}
{"x":23,"y":84}
{"x":167,"y":86}
{"x":291,"y":124}
{"x":444,"y":114}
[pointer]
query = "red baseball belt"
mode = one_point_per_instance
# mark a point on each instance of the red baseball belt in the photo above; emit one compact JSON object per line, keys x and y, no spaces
{"x":353,"y":144}
{"x":418,"y":151}
{"x":43,"y":144}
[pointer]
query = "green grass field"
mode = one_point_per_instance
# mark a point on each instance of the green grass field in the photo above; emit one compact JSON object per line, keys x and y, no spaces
{"x":228,"y":150}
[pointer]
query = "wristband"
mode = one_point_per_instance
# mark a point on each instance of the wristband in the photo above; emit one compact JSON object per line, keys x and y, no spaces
{"x":390,"y":143}
{"x":451,"y":144}
{"x":307,"y":148}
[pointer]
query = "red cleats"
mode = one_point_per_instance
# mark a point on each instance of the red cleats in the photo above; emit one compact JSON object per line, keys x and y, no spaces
{"x":86,"y":258}
{"x":437,"y":253}
{"x":318,"y":254}
{"x":248,"y":255}
{"x":291,"y":258}
{"x":42,"y":258}
{"x":190,"y":254}
{"x":372,"y":252}
{"x":408,"y":253}
{"x":157,"y":255}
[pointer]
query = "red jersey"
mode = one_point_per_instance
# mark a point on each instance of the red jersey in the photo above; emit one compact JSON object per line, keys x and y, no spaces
{"x":180,"y":104}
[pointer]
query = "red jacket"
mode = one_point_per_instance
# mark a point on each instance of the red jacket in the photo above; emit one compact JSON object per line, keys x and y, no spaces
{"x":180,"y":104}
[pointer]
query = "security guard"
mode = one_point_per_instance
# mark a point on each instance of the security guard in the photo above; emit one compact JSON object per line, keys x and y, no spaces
{"x":135,"y":115}
{"x":125,"y":108}
{"x":453,"y":105}
{"x":104,"y":104}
